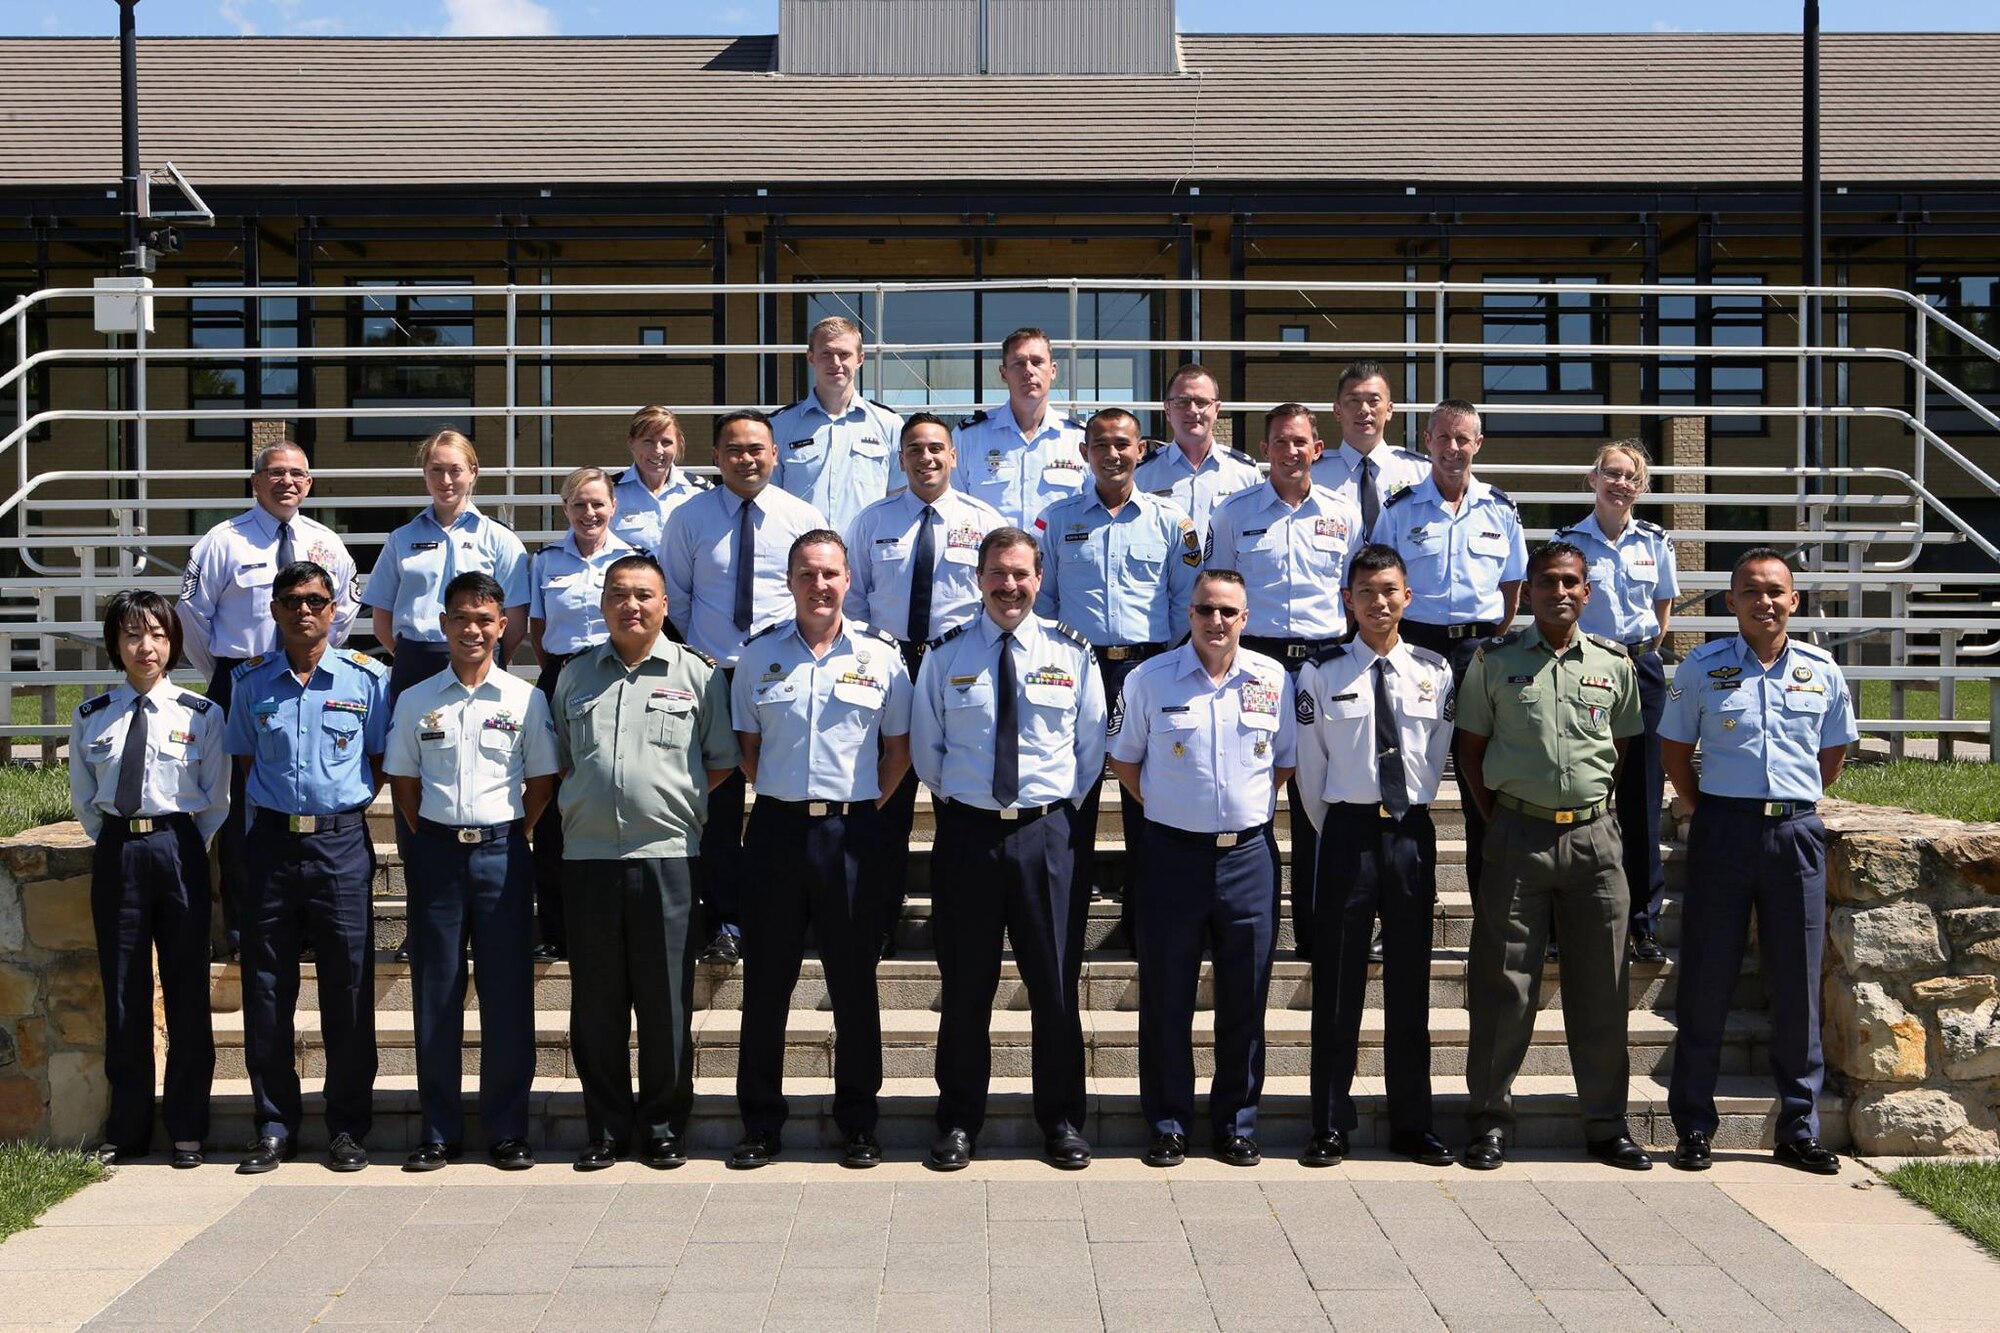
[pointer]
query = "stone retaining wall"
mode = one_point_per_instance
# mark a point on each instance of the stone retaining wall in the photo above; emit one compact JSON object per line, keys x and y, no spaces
{"x":52,"y":1086}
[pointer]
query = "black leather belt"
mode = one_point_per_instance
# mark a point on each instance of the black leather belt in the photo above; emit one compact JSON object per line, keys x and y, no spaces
{"x":469,"y":834}
{"x":138,"y":826}
{"x":1285,"y":650}
{"x":1581,"y":814}
{"x":1127,"y":652}
{"x":817,"y":809}
{"x":1381,"y":811}
{"x":1016,"y":814}
{"x":1768,"y":809}
{"x":283,"y":823}
{"x":1469,"y":629}
{"x":1219,"y":841}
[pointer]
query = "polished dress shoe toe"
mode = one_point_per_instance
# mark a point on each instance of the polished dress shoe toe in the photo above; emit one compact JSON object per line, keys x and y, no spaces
{"x":861,"y":1151}
{"x":110,"y":1154}
{"x":1486,"y":1152}
{"x":1237,"y":1150}
{"x":1692,"y":1153}
{"x":758,"y":1148}
{"x":187,"y":1159}
{"x":511,"y":1155}
{"x":888,"y":950}
{"x":1066,"y":1151}
{"x":597,"y":1155}
{"x":1167,"y":1150}
{"x":1808,"y":1155}
{"x":432,"y":1156}
{"x":951,"y":1152}
{"x":668,"y":1152}
{"x":725,"y":948}
{"x":1375,"y":948}
{"x":265,"y":1154}
{"x":1328,"y":1149}
{"x":1422,"y":1147}
{"x":546,"y":953}
{"x":1646,"y":947}
{"x":345,"y":1153}
{"x":1622,"y":1153}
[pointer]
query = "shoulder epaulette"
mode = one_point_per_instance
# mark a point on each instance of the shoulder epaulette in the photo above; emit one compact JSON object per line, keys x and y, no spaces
{"x":366,"y":663}
{"x":1411,"y":454}
{"x":1645,"y":525}
{"x":768,"y":629}
{"x":1240,"y":456}
{"x":243,"y":668}
{"x":1561,"y":533}
{"x":792,"y":407}
{"x":1811,"y":650}
{"x":1503,"y":498}
{"x":1076,"y":422}
{"x":1329,"y":653}
{"x":1429,"y":657}
{"x":946,"y":637}
{"x":1611,"y":644}
{"x":874,"y":633}
{"x":197,"y":703}
{"x":1704,"y":648}
{"x":975,"y":419}
{"x":878,"y":403}
{"x":1069,"y":633}
{"x":1397,"y":497}
{"x":1507,"y":640}
{"x":1154,"y":448}
{"x":699,"y":653}
{"x":89,"y":706}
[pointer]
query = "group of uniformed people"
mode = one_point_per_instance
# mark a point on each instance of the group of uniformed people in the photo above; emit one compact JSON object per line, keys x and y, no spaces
{"x":866,"y":602}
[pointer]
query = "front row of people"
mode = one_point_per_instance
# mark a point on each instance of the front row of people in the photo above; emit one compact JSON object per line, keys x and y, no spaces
{"x":1005,"y":722}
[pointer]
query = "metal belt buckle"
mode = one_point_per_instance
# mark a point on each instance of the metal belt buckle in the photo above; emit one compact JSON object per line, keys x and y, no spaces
{"x":1009,"y":813}
{"x":1227,"y":839}
{"x":816,"y":807}
{"x":1775,"y":808}
{"x":468,"y":835}
{"x":1117,"y":652}
{"x":302,"y":823}
{"x":1565,"y":816}
{"x":139,"y":826}
{"x":1382,"y":811}
{"x":1295,"y":650}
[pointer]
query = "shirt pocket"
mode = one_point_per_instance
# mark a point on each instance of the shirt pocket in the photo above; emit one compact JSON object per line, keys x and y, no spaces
{"x":498,"y":746}
{"x":580,"y":725}
{"x":669,"y":721}
{"x":340,"y":740}
{"x":1588,"y":712}
{"x":1171,"y":744}
{"x":258,"y":576}
{"x":1146,"y":557}
{"x":1729,"y":720}
{"x":1424,"y":554}
{"x":1487,"y":546}
{"x":437,"y":755}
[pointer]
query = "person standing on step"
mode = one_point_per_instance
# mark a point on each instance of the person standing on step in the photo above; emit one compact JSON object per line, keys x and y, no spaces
{"x":471,"y":765}
{"x":1375,"y":726}
{"x":642,"y":732}
{"x":1544,"y":717}
{"x":1119,"y":570}
{"x":822,"y":715}
{"x":648,"y":492}
{"x":1773,"y":718}
{"x":225,"y":614}
{"x":1207,"y":739}
{"x":565,"y":617}
{"x":1291,"y":539}
{"x":836,"y":449}
{"x":1024,"y":455}
{"x":724,"y":560}
{"x":1633,"y":583}
{"x":1192,"y":470}
{"x":1007,"y":731}
{"x":915,"y":574}
{"x":150,"y":783}
{"x":308,"y":725}
{"x":1366,"y":469}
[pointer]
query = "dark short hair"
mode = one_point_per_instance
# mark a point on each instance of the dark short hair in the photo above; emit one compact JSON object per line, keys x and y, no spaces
{"x":1109,"y":414}
{"x":1757,"y":555}
{"x":1026,"y":333}
{"x":1002,"y":538}
{"x":1357,"y":372}
{"x":1228,"y":576}
{"x":301,"y":571}
{"x":637,"y":560}
{"x":817,"y":537}
{"x":1285,"y":412}
{"x":479,"y":586}
{"x":1453,"y":407}
{"x":1188,"y":371}
{"x":923,"y":419}
{"x":132,"y":606}
{"x":729,"y":419}
{"x":1550,"y":552}
{"x":1373,"y":559}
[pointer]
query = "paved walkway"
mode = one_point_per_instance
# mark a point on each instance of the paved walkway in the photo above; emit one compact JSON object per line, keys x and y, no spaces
{"x":1547,"y":1244}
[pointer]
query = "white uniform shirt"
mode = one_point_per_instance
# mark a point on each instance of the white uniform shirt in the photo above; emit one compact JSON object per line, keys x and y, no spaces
{"x":1395,"y":470}
{"x":187,"y":768}
{"x":1336,"y":716}
{"x":1293,"y":561}
{"x":698,"y":556}
{"x":1018,"y":472}
{"x":642,"y":516}
{"x":838,"y":465}
{"x":1205,"y":751}
{"x":1197,"y":490}
{"x":225,"y":603}
{"x":881,"y":549}
{"x":820,"y":719}
{"x":473,"y":748}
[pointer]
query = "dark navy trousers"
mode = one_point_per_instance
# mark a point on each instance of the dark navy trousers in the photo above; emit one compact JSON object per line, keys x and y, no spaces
{"x":1739,"y":858}
{"x":229,"y":838}
{"x":482,"y":892}
{"x":722,"y":869}
{"x":1641,"y":788}
{"x":1226,"y":899}
{"x":150,"y":891}
{"x":549,"y":834}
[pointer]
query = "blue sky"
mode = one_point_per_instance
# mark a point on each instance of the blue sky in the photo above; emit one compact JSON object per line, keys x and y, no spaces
{"x":531,"y":17}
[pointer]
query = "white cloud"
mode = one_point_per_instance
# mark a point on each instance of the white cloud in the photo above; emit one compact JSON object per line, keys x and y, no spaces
{"x":497,"y":18}
{"x":233,"y":14}
{"x":1661,"y":25}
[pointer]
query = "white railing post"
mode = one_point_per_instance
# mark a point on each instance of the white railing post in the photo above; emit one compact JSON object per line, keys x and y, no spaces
{"x":1947,"y":691}
{"x":876,"y":386}
{"x":507,"y":515}
{"x":1074,"y":384}
{"x":45,"y":660}
{"x":141,"y":463}
{"x":1918,"y":408}
{"x":21,"y":404}
{"x":1899,"y":655}
{"x":1440,"y":335}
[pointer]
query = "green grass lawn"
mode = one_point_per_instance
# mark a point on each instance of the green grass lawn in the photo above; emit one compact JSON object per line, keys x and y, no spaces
{"x":1973,"y":704}
{"x":34,"y":1180}
{"x":30,"y":797}
{"x":1954,"y":790}
{"x":28,"y":706}
{"x":1965,"y":1194}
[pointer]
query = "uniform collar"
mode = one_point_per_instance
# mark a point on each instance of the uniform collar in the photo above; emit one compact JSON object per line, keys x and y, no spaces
{"x":843,"y":638}
{"x":1531,"y":637}
{"x":468,"y":518}
{"x":613,"y":545}
{"x":1188,"y":663}
{"x":1029,"y":629}
{"x":1398,"y":657}
{"x":630,"y":477}
{"x":1747,"y":655}
{"x":1476,"y":491}
{"x":1354,"y":458}
{"x":1051,"y":418}
{"x":915,"y":503}
{"x":1095,"y":499}
{"x":265,"y":522}
{"x":448,"y":685}
{"x":1178,"y":459}
{"x":812,"y":404}
{"x":1590,"y":527}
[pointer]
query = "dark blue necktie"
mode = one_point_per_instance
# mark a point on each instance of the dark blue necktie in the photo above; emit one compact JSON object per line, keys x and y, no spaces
{"x":132,"y":762}
{"x":1371,"y":502}
{"x":1006,"y":729}
{"x":746,"y":566}
{"x":1390,"y":778}
{"x":924,"y":570}
{"x":285,"y":552}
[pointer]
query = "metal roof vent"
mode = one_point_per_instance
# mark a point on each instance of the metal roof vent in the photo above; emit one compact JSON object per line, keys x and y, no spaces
{"x":932,"y":37}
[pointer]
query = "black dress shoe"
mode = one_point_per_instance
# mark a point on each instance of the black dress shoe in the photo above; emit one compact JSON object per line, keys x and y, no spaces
{"x":667,"y":1152}
{"x":759,"y":1148}
{"x":597,"y":1155}
{"x":888,"y":950}
{"x":951,"y":1152}
{"x":1692,"y":1153}
{"x":546,"y":953}
{"x":1066,"y":1151}
{"x":1646,"y":947}
{"x":187,"y":1159}
{"x":265,"y":1154}
{"x":110,"y":1154}
{"x":1421,"y":1147}
{"x":511,"y":1154}
{"x":1808,"y":1155}
{"x":1486,"y":1152}
{"x":432,"y":1156}
{"x":1328,"y":1149}
{"x":725,"y":948}
{"x":1554,"y":953}
{"x":1375,"y":947}
{"x":1167,"y":1150}
{"x":1237,"y":1150}
{"x":1620,"y":1152}
{"x":861,"y":1151}
{"x":345,"y":1153}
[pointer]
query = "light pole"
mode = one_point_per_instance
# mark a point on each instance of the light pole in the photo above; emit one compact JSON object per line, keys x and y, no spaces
{"x":1810,"y":245}
{"x":136,"y":259}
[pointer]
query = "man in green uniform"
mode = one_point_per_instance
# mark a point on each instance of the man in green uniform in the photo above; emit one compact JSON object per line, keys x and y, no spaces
{"x":643,"y":730}
{"x":1543,"y":717}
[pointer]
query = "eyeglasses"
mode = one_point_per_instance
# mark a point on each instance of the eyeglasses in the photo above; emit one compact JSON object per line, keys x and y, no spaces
{"x":311,"y":601}
{"x":1185,"y":401}
{"x":1619,"y":478}
{"x":1205,"y":609}
{"x":285,"y":474}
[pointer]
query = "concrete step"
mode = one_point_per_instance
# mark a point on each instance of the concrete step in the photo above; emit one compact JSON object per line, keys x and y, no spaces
{"x":1545,"y":1104}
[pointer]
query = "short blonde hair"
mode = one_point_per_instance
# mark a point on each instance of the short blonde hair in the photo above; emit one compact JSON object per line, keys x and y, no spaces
{"x":1633,"y":450}
{"x":650,"y":418}
{"x":582,"y":477}
{"x":447,"y":438}
{"x":833,"y":326}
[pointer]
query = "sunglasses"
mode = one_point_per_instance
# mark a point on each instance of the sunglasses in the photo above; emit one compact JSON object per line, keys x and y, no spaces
{"x":1211,"y":609}
{"x":311,"y":601}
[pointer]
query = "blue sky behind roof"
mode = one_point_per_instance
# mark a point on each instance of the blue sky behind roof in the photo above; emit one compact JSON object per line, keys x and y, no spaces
{"x":361,"y":18}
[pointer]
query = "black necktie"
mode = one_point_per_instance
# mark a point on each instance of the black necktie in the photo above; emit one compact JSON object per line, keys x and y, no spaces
{"x":285,"y":552}
{"x":1371,"y":503}
{"x":132,"y":763}
{"x":920,"y":579}
{"x":1006,"y":729}
{"x":1388,"y":749}
{"x":746,"y":567}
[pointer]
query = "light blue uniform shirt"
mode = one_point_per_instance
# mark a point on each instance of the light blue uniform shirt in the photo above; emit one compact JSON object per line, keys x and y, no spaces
{"x":1760,"y":731}
{"x":421,"y":557}
{"x":1059,"y":698}
{"x":225,"y":603}
{"x":1197,"y":490}
{"x":838,"y":465}
{"x":1205,"y":751}
{"x":1293,"y":561}
{"x":1395,"y":470}
{"x":1626,"y":577}
{"x":310,"y":744}
{"x":568,"y":593}
{"x":186,"y":769}
{"x":1019,"y":474}
{"x":698,"y":555}
{"x":820,"y":719}
{"x":1457,"y":562}
{"x":881,"y":554}
{"x":1119,"y":578}
{"x":473,"y":749}
{"x":642,"y":516}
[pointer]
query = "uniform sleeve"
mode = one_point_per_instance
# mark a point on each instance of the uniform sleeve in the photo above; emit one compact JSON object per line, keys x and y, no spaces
{"x":537,"y":592}
{"x":1048,"y":602}
{"x":927,"y":724}
{"x":742,"y":706}
{"x":402,"y":758}
{"x":896,"y":710}
{"x":1089,"y":728}
{"x":1310,"y":744}
{"x":83,"y":781}
{"x":375,"y":727}
{"x":1839,"y":728}
{"x":1218,"y":549}
{"x":718,"y":740}
{"x":1440,"y":743}
{"x":676,"y":558}
{"x":855,"y":605}
{"x":510,"y":568}
{"x":211,"y":774}
{"x":1286,"y":752}
{"x":558,"y":711}
{"x":1128,"y":744}
{"x":1626,"y":720}
{"x":196,"y":608}
{"x":1474,"y":708}
{"x":386,"y":579}
{"x":1183,"y":566}
{"x":237,"y":734}
{"x":346,"y":591}
{"x":542,"y":758}
{"x":1516,"y":567}
{"x":1681,"y":719}
{"x":1669,"y":586}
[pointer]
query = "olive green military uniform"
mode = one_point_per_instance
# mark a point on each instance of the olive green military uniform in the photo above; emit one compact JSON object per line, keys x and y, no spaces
{"x":1552,"y":853}
{"x":636,"y":744}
